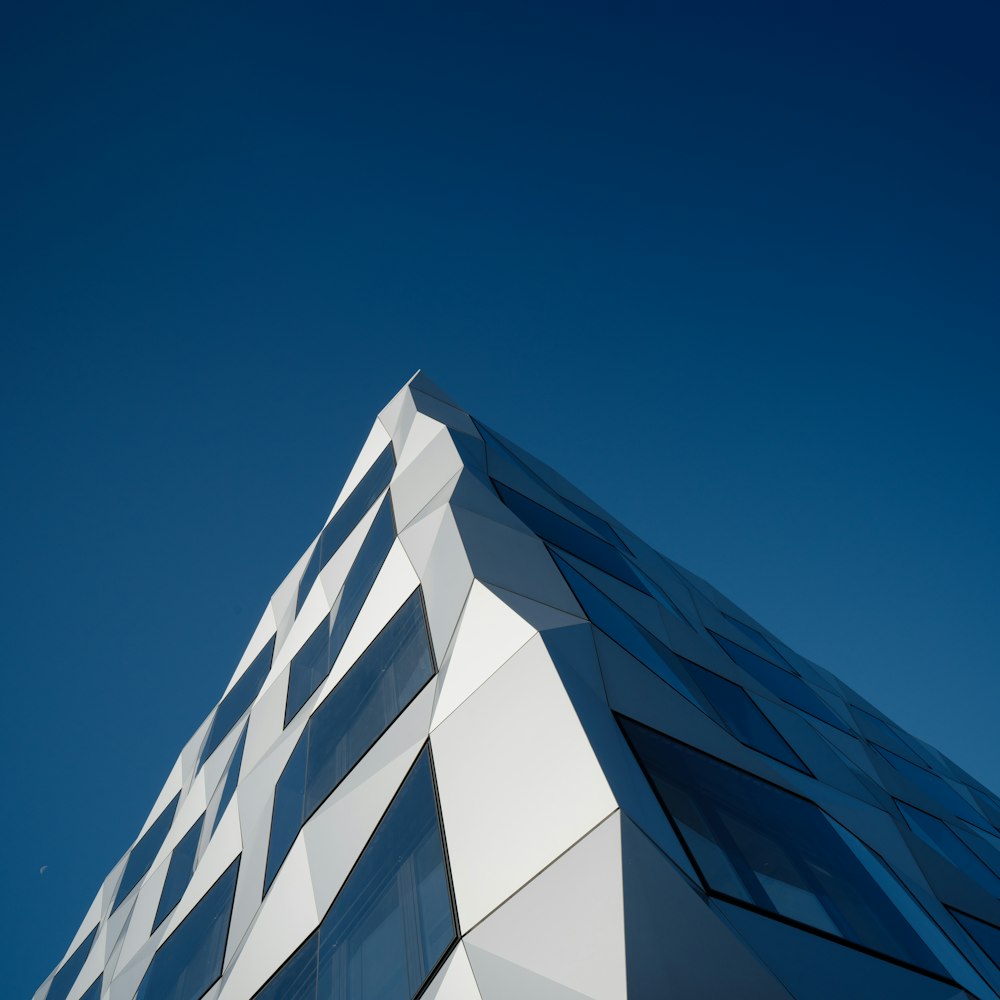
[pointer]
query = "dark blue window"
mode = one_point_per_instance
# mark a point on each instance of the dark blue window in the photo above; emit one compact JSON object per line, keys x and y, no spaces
{"x":145,"y":851}
{"x":987,"y":936}
{"x":239,"y":699}
{"x":232,"y":778}
{"x":306,"y":675}
{"x":179,"y":872}
{"x":759,"y":845}
{"x":367,"y":700}
{"x":354,"y":508}
{"x":94,"y":993}
{"x":63,"y":980}
{"x":877,"y":731}
{"x":787,"y":686}
{"x":566,"y":535}
{"x":936,"y":787}
{"x":190,"y":960}
{"x":757,"y":637}
{"x":392,"y":921}
{"x":938,"y":835}
{"x":627,"y":632}
{"x":742,"y":717}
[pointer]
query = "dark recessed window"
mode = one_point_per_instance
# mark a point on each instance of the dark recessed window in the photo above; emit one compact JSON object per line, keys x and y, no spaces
{"x":938,"y":835}
{"x":94,"y":993}
{"x":190,"y":960}
{"x":393,"y":920}
{"x":787,"y":686}
{"x":367,"y":700}
{"x":307,"y":673}
{"x":757,"y":637}
{"x":625,"y":630}
{"x":232,"y":778}
{"x":347,"y":518}
{"x":772,"y":851}
{"x":934,"y":786}
{"x":987,"y":936}
{"x":63,"y":980}
{"x":179,"y":872}
{"x":142,"y":855}
{"x":742,"y":717}
{"x":547,"y":524}
{"x":239,"y":699}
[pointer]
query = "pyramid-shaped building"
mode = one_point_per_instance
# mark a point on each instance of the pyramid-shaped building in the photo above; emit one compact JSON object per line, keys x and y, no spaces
{"x":486,"y":744}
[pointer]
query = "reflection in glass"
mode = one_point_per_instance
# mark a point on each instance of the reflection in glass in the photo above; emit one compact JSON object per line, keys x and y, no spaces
{"x":772,"y":850}
{"x":145,"y":851}
{"x":190,"y":960}
{"x":179,"y":872}
{"x":63,"y":980}
{"x":348,"y":723}
{"x":239,"y":699}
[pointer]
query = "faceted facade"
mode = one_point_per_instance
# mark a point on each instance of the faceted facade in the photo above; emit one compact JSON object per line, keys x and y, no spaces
{"x":485,"y":744}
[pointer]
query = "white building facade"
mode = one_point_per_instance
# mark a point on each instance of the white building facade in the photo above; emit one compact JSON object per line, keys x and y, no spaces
{"x":485,"y":744}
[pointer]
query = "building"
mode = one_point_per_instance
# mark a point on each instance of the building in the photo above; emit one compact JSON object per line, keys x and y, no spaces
{"x":485,"y":744}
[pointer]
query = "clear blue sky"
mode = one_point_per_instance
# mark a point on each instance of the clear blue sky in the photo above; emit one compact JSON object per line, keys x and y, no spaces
{"x":732,"y":268}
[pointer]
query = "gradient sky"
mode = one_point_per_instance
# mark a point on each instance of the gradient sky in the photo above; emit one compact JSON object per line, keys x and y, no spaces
{"x":732,"y":268}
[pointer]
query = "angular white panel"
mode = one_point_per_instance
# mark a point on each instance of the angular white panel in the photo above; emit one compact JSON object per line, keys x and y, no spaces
{"x":517,"y":737}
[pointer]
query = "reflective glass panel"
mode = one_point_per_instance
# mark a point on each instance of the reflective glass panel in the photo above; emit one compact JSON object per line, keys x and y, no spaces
{"x":366,"y":701}
{"x":309,"y":667}
{"x":94,"y":993}
{"x":985,"y":935}
{"x":63,"y":980}
{"x":757,"y":637}
{"x":190,"y":960}
{"x":772,"y":850}
{"x":232,"y":778}
{"x":555,"y":529}
{"x":303,"y":681}
{"x":296,"y":979}
{"x":742,"y":716}
{"x":788,"y":687}
{"x":937,"y":788}
{"x":371,"y":695}
{"x":145,"y":851}
{"x":239,"y":699}
{"x":347,"y":518}
{"x":286,"y":814}
{"x":179,"y":872}
{"x":392,"y":921}
{"x":877,"y":731}
{"x":938,"y":835}
{"x":621,"y":627}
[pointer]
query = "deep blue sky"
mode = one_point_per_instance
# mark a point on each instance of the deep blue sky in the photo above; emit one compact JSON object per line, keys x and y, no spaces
{"x":732,"y":268}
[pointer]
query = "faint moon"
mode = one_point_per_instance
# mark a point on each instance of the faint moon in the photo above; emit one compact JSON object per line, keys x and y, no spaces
{"x":43,"y":869}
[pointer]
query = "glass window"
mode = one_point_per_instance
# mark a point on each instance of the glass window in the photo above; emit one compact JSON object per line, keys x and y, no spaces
{"x":239,"y":699}
{"x":190,"y":960}
{"x":936,"y":787}
{"x":742,"y":716}
{"x":366,"y":701}
{"x":63,"y":980}
{"x":557,"y":530}
{"x":94,"y":993}
{"x":628,"y":633}
{"x":392,"y":921}
{"x":787,"y":686}
{"x":232,"y":778}
{"x":179,"y":872}
{"x":145,"y":851}
{"x":757,"y":637}
{"x":877,"y":731}
{"x":771,"y":850}
{"x":985,"y":935}
{"x":309,"y":667}
{"x":353,"y":509}
{"x":305,"y":676}
{"x":938,"y":835}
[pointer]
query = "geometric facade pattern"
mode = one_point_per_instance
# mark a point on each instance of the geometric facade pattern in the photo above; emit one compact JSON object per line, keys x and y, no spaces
{"x":486,"y":744}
